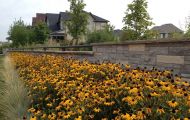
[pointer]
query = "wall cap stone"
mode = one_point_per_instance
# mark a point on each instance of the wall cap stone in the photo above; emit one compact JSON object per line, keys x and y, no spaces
{"x":143,"y":42}
{"x":91,"y":53}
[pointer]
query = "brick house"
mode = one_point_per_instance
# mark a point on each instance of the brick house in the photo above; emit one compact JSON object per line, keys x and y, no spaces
{"x":59,"y":31}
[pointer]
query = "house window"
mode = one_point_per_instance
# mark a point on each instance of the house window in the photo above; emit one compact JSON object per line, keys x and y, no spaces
{"x":163,"y":35}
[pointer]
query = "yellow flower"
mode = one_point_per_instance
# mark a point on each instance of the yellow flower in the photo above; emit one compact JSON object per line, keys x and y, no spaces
{"x":33,"y":118}
{"x":79,"y":118}
{"x":154,"y":94}
{"x":116,"y":111}
{"x":160,"y":110}
{"x":32,"y":110}
{"x":126,"y":117}
{"x":140,"y":115}
{"x":188,"y":103}
{"x":38,"y":113}
{"x":130,"y":100}
{"x":68,"y":102}
{"x":66,"y":116}
{"x":185,"y":118}
{"x":133,"y":91}
{"x":97,"y":109}
{"x":109,"y":103}
{"x":166,"y":88}
{"x":49,"y":104}
{"x":150,"y":83}
{"x":58,"y":108}
{"x":44,"y":116}
{"x":172,"y":103}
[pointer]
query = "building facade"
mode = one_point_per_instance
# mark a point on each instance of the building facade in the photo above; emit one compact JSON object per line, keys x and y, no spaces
{"x":58,"y":29}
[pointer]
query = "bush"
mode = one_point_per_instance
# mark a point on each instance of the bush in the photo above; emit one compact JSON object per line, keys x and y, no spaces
{"x":104,"y":35}
{"x":100,"y":36}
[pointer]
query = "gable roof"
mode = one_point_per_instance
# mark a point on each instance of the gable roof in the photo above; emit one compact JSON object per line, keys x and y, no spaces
{"x":66,"y":16}
{"x":52,"y":20}
{"x":167,"y":28}
{"x":97,"y":18}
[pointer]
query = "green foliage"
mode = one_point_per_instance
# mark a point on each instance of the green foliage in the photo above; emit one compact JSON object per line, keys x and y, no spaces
{"x":128,"y":35}
{"x":137,"y":19}
{"x":19,"y":33}
{"x":78,"y":22}
{"x":187,"y":33}
{"x":41,"y":33}
{"x":23,"y":35}
{"x":150,"y":34}
{"x":176,"y":35}
{"x":105,"y":35}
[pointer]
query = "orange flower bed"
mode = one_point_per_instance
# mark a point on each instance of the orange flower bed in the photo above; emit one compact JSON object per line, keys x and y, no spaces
{"x":62,"y":88}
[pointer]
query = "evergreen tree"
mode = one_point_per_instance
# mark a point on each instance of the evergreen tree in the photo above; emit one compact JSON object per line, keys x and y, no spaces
{"x":41,"y":32}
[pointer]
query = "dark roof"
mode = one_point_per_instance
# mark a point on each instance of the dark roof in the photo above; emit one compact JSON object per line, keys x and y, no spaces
{"x":64,"y":16}
{"x":98,"y":19}
{"x":117,"y":32}
{"x":167,"y":28}
{"x":53,"y":20}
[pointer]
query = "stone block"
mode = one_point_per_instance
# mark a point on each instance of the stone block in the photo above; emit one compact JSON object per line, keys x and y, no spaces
{"x":186,"y":69}
{"x":187,"y":58}
{"x":122,"y":61}
{"x":122,"y":48}
{"x":157,"y":50}
{"x":170,"y":59}
{"x":178,"y":50}
{"x":137,"y":47}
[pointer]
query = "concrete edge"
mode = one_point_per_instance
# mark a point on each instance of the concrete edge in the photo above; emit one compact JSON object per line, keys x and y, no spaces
{"x":143,"y":42}
{"x":90,"y":53}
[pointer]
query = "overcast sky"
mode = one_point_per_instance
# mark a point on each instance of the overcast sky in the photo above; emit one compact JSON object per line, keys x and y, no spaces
{"x":162,"y":11}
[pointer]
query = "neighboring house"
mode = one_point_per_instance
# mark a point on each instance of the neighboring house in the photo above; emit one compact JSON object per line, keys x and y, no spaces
{"x":117,"y":33}
{"x":40,"y":17}
{"x":166,"y":30}
{"x":59,"y":31}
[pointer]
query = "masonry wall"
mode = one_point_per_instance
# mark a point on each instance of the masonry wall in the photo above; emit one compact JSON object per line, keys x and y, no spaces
{"x":162,"y":54}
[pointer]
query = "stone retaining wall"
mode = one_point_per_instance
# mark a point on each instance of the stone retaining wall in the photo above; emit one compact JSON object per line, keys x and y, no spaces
{"x":162,"y":54}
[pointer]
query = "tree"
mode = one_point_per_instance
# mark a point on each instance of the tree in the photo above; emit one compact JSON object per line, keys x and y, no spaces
{"x":150,"y":34}
{"x":187,"y":33}
{"x":19,"y":33}
{"x":137,"y":19}
{"x":104,"y":35}
{"x":41,"y":32}
{"x":78,"y":22}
